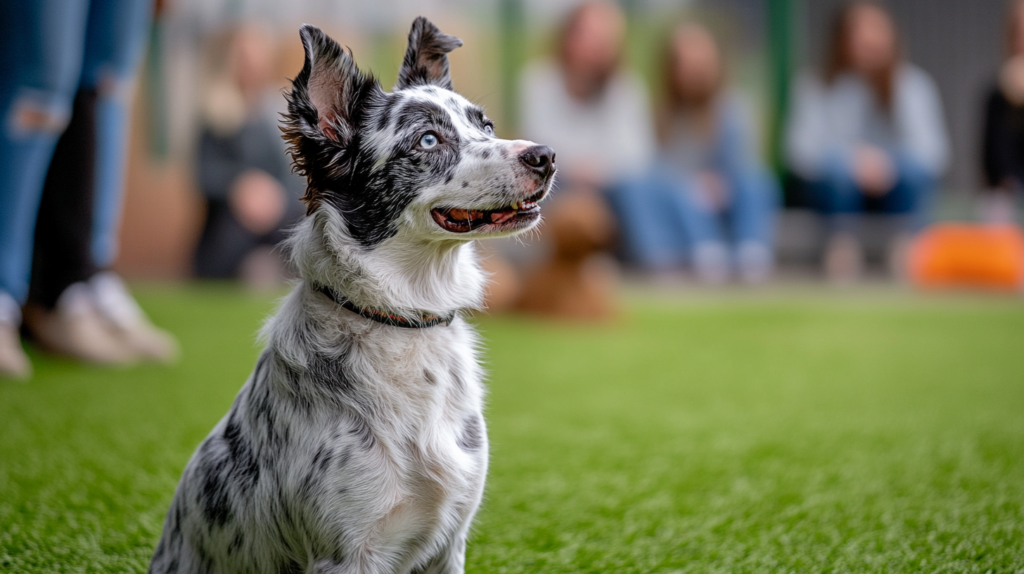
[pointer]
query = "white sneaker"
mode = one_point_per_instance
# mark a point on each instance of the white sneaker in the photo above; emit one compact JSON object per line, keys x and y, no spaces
{"x":14,"y":364}
{"x":711,"y":262}
{"x":127,"y":320}
{"x":754,"y":262}
{"x":74,"y":328}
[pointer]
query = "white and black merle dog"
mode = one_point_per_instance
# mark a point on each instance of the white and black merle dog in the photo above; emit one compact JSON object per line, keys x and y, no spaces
{"x":358,"y":443}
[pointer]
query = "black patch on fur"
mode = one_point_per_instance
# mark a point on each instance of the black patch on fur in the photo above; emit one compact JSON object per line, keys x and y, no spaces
{"x":236,"y":543}
{"x":226,"y":465}
{"x":431,"y":379}
{"x":457,"y":377}
{"x":331,"y":373}
{"x":323,"y":458}
{"x":384,"y":119}
{"x":472,"y":436}
{"x":465,"y":184}
{"x":486,"y":154}
{"x":362,"y":431}
{"x":344,"y":457}
{"x":475,"y":116}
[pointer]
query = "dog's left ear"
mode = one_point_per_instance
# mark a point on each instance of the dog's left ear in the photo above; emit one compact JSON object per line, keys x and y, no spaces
{"x":426,"y":59}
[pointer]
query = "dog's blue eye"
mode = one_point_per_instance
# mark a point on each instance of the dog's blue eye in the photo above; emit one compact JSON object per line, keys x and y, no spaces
{"x":428,"y":141}
{"x":489,"y":129}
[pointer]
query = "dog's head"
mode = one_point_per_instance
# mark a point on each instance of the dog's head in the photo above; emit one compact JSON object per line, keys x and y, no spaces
{"x":421,"y":162}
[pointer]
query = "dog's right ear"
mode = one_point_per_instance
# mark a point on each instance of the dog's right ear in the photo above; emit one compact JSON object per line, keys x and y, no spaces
{"x":329,"y":90}
{"x":325,"y":107}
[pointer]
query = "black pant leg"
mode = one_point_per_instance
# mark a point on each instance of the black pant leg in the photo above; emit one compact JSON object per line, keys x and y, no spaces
{"x":62,"y":254}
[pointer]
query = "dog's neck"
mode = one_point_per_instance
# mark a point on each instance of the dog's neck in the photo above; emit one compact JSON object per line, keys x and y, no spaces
{"x":400,"y":275}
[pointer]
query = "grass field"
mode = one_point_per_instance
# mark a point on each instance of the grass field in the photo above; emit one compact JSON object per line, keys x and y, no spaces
{"x":789,"y":432}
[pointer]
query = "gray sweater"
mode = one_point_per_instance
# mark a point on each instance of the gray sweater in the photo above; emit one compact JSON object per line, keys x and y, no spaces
{"x":828,"y":121}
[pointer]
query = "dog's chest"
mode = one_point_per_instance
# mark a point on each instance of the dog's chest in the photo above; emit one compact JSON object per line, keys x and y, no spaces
{"x":424,"y":452}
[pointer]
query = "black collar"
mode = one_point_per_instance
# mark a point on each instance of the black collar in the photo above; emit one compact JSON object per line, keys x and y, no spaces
{"x":384,"y":318}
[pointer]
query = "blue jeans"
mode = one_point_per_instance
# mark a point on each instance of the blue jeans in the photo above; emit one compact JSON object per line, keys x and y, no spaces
{"x":661,"y":220}
{"x":838,"y":197}
{"x":49,"y":49}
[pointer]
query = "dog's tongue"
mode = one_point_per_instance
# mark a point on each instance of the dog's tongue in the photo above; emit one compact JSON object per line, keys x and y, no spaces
{"x":475,"y":215}
{"x":502,"y":216}
{"x":464,"y":215}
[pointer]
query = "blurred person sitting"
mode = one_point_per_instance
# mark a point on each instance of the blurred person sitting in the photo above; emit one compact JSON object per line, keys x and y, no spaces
{"x":595,"y":115}
{"x":66,"y":76}
{"x":242,"y":168}
{"x":707,"y":200}
{"x":1003,"y":130}
{"x":868,"y":135}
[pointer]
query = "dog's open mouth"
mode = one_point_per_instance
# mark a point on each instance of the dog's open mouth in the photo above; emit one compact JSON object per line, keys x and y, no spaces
{"x":507,"y":218}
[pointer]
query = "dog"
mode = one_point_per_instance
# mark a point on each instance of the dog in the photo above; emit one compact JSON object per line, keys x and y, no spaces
{"x":358,"y":443}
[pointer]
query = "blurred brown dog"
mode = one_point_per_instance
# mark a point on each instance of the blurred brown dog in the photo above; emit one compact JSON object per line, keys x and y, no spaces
{"x":573,"y":284}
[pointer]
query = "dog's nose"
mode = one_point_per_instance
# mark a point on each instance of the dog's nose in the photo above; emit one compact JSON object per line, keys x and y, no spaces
{"x":540,"y":159}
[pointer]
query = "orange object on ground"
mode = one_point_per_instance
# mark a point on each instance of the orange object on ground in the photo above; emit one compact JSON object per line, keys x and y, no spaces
{"x":969,"y":255}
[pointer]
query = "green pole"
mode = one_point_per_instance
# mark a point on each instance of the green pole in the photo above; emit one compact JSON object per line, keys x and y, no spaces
{"x":782,"y":17}
{"x":511,"y":26}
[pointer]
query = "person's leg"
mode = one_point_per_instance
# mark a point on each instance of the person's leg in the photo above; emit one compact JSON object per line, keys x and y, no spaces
{"x":115,"y":43}
{"x":74,"y":310}
{"x":701,"y":228}
{"x":645,"y":229}
{"x":61,"y":255}
{"x":114,"y":47}
{"x":755,"y":200}
{"x":911,"y":196}
{"x":837,"y":197}
{"x":841,"y":203}
{"x":61,"y":313}
{"x":40,"y":61}
{"x":76,"y":229}
{"x":907,"y":206}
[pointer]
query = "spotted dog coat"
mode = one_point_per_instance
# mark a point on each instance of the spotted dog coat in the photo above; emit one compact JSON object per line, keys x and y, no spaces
{"x":358,"y":446}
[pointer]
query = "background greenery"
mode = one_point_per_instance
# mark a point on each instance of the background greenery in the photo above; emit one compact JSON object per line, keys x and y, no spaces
{"x":781,"y":432}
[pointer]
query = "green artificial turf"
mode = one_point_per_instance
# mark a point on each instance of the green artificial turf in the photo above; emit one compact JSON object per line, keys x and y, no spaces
{"x":738,"y":433}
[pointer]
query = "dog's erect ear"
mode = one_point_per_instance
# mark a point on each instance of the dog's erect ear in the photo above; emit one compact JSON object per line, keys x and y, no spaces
{"x":328,"y":102}
{"x":333,"y":83}
{"x":426,"y":58}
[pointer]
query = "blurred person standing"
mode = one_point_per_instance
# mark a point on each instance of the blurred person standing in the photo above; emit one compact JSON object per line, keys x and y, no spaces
{"x":1003,"y":129}
{"x":867,"y":135}
{"x":595,"y":115}
{"x":242,"y":167}
{"x":66,"y":74}
{"x":707,"y":200}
